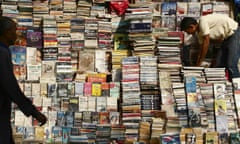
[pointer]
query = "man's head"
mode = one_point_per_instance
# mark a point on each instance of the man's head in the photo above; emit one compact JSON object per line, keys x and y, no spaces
{"x":8,"y":28}
{"x":189,"y":25}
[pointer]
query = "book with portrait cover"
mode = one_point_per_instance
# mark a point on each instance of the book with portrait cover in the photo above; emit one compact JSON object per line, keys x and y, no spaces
{"x":86,"y":60}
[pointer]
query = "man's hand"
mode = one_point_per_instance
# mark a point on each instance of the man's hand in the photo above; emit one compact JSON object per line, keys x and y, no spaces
{"x":40,"y":117}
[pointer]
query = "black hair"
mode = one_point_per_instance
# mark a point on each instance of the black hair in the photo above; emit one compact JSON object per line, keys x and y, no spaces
{"x":186,"y":22}
{"x":6,"y":23}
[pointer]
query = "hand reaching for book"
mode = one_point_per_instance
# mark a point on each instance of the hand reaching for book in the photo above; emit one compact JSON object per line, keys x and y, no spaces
{"x":41,"y":118}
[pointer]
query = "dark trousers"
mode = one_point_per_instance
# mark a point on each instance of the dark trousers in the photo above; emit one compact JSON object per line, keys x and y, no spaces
{"x":229,"y":53}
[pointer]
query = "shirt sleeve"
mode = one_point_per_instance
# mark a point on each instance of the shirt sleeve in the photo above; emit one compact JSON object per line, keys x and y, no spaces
{"x":204,"y":26}
{"x":9,"y":85}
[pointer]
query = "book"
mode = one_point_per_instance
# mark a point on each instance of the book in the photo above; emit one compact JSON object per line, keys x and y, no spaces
{"x":73,"y":104}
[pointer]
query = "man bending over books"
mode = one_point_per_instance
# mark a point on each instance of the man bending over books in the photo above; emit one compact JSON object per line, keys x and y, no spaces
{"x":221,"y":28}
{"x":9,"y":88}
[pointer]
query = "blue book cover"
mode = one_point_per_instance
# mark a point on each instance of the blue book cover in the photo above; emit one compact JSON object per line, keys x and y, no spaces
{"x":18,"y":54}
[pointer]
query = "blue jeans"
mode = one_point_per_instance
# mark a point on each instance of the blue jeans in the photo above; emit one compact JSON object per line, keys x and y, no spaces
{"x":229,"y":53}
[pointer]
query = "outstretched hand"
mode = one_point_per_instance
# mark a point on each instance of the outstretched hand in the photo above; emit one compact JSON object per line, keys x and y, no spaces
{"x":40,"y":118}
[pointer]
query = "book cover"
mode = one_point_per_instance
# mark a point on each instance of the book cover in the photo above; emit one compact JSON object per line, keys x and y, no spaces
{"x":114,"y":89}
{"x":105,"y":86}
{"x":57,"y":133}
{"x":170,"y":138}
{"x":66,"y":131}
{"x":18,"y":54}
{"x":169,"y":8}
{"x":73,"y":104}
{"x":86,"y":60}
{"x":121,"y":41}
{"x":34,"y":38}
{"x":103,"y":117}
{"x":60,"y":118}
{"x":39,"y":133}
{"x":69,"y":117}
{"x":79,"y":86}
{"x":96,"y":89}
{"x":87,"y":89}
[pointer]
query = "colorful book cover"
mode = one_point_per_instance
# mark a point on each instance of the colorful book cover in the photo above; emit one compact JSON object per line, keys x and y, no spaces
{"x":170,"y":138}
{"x":57,"y":133}
{"x":169,"y":8}
{"x":96,"y":89}
{"x":121,"y":41}
{"x":18,"y":54}
{"x":114,"y":89}
{"x":87,"y":89}
{"x":34,"y":38}
{"x":66,"y":131}
{"x":105,"y":89}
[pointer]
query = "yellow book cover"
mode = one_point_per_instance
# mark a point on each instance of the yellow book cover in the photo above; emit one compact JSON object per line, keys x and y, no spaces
{"x":96,"y":89}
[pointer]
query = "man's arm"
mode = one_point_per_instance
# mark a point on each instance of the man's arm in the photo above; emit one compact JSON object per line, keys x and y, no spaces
{"x":203,"y":50}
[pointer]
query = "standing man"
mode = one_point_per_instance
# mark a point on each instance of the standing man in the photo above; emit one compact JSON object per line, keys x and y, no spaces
{"x":219,"y":28}
{"x":9,"y":88}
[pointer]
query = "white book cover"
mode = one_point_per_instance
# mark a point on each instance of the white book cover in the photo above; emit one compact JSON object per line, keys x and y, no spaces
{"x":34,"y":72}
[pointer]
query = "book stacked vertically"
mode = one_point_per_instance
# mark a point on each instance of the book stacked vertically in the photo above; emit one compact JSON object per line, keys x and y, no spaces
{"x":104,"y":35}
{"x":194,"y":111}
{"x":117,"y":55}
{"x":131,"y":104}
{"x":168,"y":52}
{"x":40,"y":10}
{"x":56,"y":7}
{"x":97,"y":10}
{"x":181,"y":106}
{"x":158,"y":124}
{"x":220,"y":107}
{"x":84,"y":8}
{"x":215,"y":75}
{"x":140,"y":29}
{"x":236,"y":91}
{"x":150,"y":98}
{"x":50,"y":50}
{"x":197,"y":72}
{"x":10,"y":9}
{"x":25,"y":14}
{"x":206,"y":91}
{"x":231,"y":108}
{"x":69,"y":8}
{"x":77,"y":33}
{"x":91,"y":33}
{"x":103,"y":133}
{"x":221,"y":8}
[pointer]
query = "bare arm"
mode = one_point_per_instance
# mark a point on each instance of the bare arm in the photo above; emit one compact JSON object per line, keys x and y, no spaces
{"x":203,"y":50}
